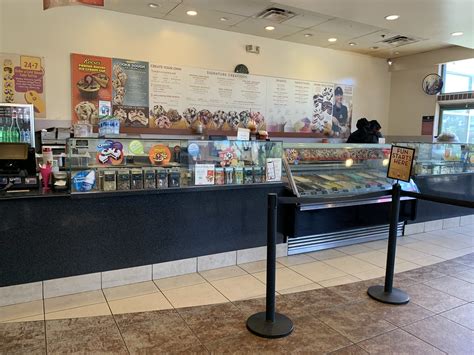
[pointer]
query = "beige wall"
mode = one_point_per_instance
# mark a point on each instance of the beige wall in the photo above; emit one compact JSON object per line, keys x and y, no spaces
{"x":408,"y":102}
{"x":57,"y":32}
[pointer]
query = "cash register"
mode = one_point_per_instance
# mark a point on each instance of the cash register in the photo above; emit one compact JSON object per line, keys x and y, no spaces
{"x":17,"y":167}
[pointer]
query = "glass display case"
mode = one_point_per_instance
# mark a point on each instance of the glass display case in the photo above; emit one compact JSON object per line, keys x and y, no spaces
{"x":127,"y":164}
{"x":333,"y":170}
{"x":442,"y":158}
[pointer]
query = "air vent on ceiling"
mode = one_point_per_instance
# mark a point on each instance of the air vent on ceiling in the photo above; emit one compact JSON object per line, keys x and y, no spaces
{"x":275,"y":14}
{"x":399,"y":40}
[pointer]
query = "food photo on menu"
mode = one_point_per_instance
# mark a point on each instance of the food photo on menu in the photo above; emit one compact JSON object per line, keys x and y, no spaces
{"x":130,"y":92}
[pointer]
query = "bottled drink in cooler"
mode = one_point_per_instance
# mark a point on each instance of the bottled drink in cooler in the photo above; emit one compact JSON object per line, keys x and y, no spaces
{"x":15,"y":131}
{"x":2,"y":134}
{"x":7,"y":131}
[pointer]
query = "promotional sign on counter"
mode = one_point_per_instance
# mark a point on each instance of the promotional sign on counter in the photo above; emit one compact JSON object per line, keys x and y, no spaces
{"x":23,"y":81}
{"x":401,"y":162}
{"x":156,"y":98}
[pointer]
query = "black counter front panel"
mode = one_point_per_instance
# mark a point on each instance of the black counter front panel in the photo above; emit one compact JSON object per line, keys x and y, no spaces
{"x":456,"y":186}
{"x":49,"y":238}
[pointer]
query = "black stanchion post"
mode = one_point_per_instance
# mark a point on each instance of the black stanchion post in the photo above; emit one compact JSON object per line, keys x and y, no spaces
{"x":270,"y":324}
{"x":386,"y":293}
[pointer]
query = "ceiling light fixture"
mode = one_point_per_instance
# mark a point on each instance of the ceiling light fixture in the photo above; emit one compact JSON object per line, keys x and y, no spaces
{"x":223,"y":19}
{"x":456,"y":34}
{"x":392,"y":17}
{"x":270,"y":28}
{"x":191,"y":13}
{"x":397,"y":53}
{"x":352,"y":44}
{"x":153,"y":6}
{"x":374,"y":47}
{"x":389,"y":62}
{"x":308,"y":35}
{"x":332,"y":39}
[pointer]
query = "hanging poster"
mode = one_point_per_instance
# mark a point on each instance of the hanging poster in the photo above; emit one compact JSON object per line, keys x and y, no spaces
{"x":342,"y":110}
{"x":23,"y":81}
{"x":90,"y":83}
{"x":130,"y":92}
{"x":54,"y":3}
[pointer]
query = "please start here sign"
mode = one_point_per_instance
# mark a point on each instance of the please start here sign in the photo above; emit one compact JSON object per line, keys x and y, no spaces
{"x":401,"y":162}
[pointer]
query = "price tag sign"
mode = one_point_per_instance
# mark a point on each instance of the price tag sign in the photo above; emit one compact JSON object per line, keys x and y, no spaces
{"x":401,"y":162}
{"x":30,"y":63}
{"x":243,"y":134}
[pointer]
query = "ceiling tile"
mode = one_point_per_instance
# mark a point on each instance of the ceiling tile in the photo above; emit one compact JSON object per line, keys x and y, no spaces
{"x":140,"y":7}
{"x":256,"y":27}
{"x":306,"y":20}
{"x":319,"y":39}
{"x":205,"y":17}
{"x":339,"y":26}
{"x":239,"y":7}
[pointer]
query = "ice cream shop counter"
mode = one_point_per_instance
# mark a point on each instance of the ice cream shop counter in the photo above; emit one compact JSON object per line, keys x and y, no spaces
{"x":128,"y":208}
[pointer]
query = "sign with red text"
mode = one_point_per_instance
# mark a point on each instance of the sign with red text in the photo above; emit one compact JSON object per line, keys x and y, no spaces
{"x":401,"y":162}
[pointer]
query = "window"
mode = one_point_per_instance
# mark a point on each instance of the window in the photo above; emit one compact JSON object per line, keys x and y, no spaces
{"x":458,"y":76}
{"x":458,"y":120}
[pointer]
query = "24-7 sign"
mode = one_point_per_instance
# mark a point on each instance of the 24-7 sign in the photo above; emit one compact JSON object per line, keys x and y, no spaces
{"x":401,"y":162}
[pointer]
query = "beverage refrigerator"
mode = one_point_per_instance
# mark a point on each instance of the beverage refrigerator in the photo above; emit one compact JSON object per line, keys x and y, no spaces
{"x":17,"y":123}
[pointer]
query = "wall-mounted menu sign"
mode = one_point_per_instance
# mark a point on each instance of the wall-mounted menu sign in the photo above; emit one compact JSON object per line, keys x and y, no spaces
{"x":23,"y":81}
{"x":162,"y":98}
{"x":401,"y":162}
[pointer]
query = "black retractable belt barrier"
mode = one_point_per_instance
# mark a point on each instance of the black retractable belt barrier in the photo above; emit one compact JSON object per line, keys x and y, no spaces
{"x":269,"y":324}
{"x":386,"y":293}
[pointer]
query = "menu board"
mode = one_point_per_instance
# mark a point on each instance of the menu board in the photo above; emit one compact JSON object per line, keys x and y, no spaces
{"x":163,"y":97}
{"x":130,"y":92}
{"x":23,"y":81}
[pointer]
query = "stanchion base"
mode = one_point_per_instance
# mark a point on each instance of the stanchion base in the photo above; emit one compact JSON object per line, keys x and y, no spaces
{"x":397,"y":296}
{"x":281,"y":327}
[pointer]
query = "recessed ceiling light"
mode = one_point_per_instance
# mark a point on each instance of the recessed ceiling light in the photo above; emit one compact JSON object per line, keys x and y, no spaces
{"x":352,"y":44}
{"x":191,"y":13}
{"x":223,"y":19}
{"x":397,"y":53}
{"x":374,"y":47}
{"x":270,"y":28}
{"x":392,"y":17}
{"x":153,"y":6}
{"x":308,"y":35}
{"x":456,"y":34}
{"x":332,"y":39}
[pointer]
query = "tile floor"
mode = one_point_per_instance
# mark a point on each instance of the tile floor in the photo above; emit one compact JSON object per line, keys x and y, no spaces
{"x":323,"y":292}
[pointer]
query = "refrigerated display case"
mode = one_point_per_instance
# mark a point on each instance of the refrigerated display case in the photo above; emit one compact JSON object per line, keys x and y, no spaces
{"x":341,"y":194}
{"x":445,"y":170}
{"x":130,"y":164}
{"x":17,"y":123}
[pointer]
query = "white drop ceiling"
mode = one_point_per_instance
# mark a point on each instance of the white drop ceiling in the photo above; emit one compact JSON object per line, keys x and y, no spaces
{"x":362,"y":22}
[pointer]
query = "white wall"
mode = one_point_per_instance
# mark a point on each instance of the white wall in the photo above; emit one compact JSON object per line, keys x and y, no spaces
{"x":57,"y":32}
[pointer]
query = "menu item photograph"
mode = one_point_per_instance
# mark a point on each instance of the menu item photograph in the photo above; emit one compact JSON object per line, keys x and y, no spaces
{"x":86,"y":111}
{"x":130,"y":91}
{"x":90,"y":80}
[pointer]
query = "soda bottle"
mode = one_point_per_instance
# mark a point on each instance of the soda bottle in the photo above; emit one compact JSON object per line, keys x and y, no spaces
{"x":2,"y":134}
{"x":7,"y":131}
